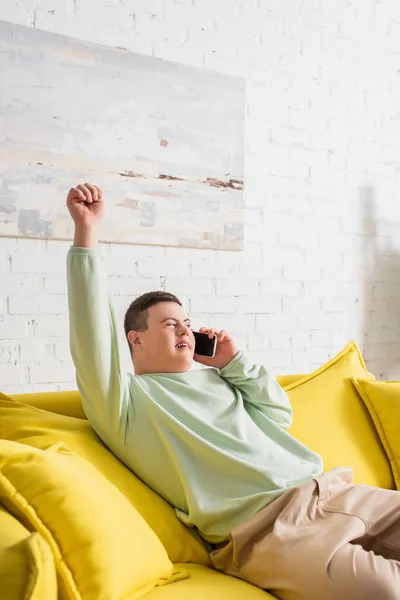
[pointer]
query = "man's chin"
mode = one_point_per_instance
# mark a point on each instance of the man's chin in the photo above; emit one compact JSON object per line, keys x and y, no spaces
{"x":183,"y":364}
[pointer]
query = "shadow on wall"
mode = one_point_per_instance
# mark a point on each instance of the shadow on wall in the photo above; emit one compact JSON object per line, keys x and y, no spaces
{"x":381,"y":260}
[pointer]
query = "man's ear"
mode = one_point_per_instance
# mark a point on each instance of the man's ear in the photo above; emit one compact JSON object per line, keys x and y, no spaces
{"x":134,"y":339}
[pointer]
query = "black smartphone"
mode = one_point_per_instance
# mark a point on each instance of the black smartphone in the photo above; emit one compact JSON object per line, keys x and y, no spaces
{"x":204,"y":345}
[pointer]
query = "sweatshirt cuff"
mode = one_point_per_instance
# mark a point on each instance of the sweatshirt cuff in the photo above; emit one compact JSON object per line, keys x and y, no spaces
{"x":237,"y":360}
{"x":85,"y":251}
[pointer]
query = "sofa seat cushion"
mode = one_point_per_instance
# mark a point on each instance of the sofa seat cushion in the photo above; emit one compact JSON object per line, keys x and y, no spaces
{"x":205,"y":583}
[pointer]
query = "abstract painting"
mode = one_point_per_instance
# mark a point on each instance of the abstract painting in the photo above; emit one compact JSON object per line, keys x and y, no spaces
{"x":165,"y":141}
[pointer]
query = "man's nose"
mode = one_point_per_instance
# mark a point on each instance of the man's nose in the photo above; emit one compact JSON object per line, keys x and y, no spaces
{"x":183,"y":330}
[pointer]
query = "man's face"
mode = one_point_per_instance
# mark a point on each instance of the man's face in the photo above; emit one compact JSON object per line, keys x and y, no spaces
{"x":167,"y":345}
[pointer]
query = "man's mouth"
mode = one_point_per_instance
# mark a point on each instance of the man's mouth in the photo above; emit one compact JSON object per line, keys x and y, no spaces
{"x":182,"y":345}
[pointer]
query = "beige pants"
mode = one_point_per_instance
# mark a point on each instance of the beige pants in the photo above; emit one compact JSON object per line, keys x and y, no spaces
{"x":327,"y":539}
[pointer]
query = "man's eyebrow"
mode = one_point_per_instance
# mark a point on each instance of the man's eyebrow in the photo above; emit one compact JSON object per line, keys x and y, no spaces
{"x":187,"y":320}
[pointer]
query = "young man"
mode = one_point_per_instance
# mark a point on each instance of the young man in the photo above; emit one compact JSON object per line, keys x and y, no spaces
{"x":214,"y":443}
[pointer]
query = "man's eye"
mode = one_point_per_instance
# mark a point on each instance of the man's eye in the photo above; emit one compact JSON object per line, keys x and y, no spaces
{"x":171,"y":324}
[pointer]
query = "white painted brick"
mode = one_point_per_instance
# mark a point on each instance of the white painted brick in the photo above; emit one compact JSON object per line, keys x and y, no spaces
{"x":259,"y":305}
{"x":62,"y":352}
{"x":9,"y":352}
{"x":43,"y":304}
{"x":332,"y":304}
{"x":178,"y":52}
{"x":55,"y":285}
{"x":120,"y":266}
{"x":217,"y":304}
{"x":291,"y":204}
{"x":30,"y":246}
{"x":321,"y":130}
{"x":159,"y":29}
{"x":274,"y":360}
{"x":238,"y":287}
{"x":8,"y":245}
{"x":115,"y":14}
{"x":257,"y":342}
{"x":50,"y":326}
{"x":190,"y":253}
{"x":300,"y":340}
{"x":67,"y":24}
{"x":288,"y":168}
{"x":277,"y":322}
{"x":12,"y":328}
{"x":131,"y":253}
{"x":303,"y":305}
{"x":16,"y":12}
{"x":302,"y":273}
{"x":192,"y":287}
{"x":282,"y":288}
{"x":121,"y":303}
{"x":5,"y":264}
{"x":216,"y":269}
{"x":298,"y":240}
{"x":52,"y":304}
{"x":31,"y":352}
{"x":232,"y":323}
{"x":40,"y":264}
{"x":281,"y":223}
{"x":49,"y":352}
{"x":51,"y":373}
{"x":321,"y":339}
{"x":252,"y":252}
{"x":150,"y":7}
{"x":382,"y":335}
{"x":61,"y":247}
{"x":51,"y":387}
{"x":10,"y":375}
{"x":279,"y":340}
{"x":22,"y":305}
{"x":164,"y":268}
{"x":133,"y":285}
{"x":309,"y":157}
{"x":27,"y":285}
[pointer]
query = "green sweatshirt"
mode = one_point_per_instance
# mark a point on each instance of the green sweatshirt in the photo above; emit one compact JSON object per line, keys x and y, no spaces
{"x":212,"y":443}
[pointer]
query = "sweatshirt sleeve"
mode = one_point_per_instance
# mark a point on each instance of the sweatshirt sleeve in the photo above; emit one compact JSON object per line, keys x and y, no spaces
{"x":260,"y":388}
{"x":94,"y":344}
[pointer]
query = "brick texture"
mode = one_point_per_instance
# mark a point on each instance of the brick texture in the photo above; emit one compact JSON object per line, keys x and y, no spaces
{"x":322,"y":259}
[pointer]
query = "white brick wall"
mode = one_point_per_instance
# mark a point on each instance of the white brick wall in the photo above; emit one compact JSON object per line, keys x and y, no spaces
{"x":322,"y":257}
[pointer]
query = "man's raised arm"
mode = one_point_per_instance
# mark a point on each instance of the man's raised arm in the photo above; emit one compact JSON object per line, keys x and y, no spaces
{"x":93,"y":331}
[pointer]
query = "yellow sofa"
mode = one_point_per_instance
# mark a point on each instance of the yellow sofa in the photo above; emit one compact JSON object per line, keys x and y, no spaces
{"x":75,"y":524}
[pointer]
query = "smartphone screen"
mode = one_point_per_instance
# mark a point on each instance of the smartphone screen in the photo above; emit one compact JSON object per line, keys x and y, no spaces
{"x":204,"y":345}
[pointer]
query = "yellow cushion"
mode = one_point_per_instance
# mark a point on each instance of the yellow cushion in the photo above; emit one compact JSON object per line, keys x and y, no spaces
{"x":63,"y":403}
{"x":207,"y":584}
{"x":26,"y":563}
{"x":331,"y":419}
{"x":286,"y":380}
{"x":102,"y":548}
{"x":382,"y":399}
{"x":41,"y":429}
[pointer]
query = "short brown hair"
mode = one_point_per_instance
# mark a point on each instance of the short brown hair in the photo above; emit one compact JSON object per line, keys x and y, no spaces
{"x":136,"y":315}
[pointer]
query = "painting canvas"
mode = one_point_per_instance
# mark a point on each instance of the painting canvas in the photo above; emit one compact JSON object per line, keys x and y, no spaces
{"x":165,"y":142}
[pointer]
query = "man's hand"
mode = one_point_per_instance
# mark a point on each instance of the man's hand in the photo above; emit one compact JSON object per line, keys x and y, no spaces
{"x":226,"y":349}
{"x":86,"y":206}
